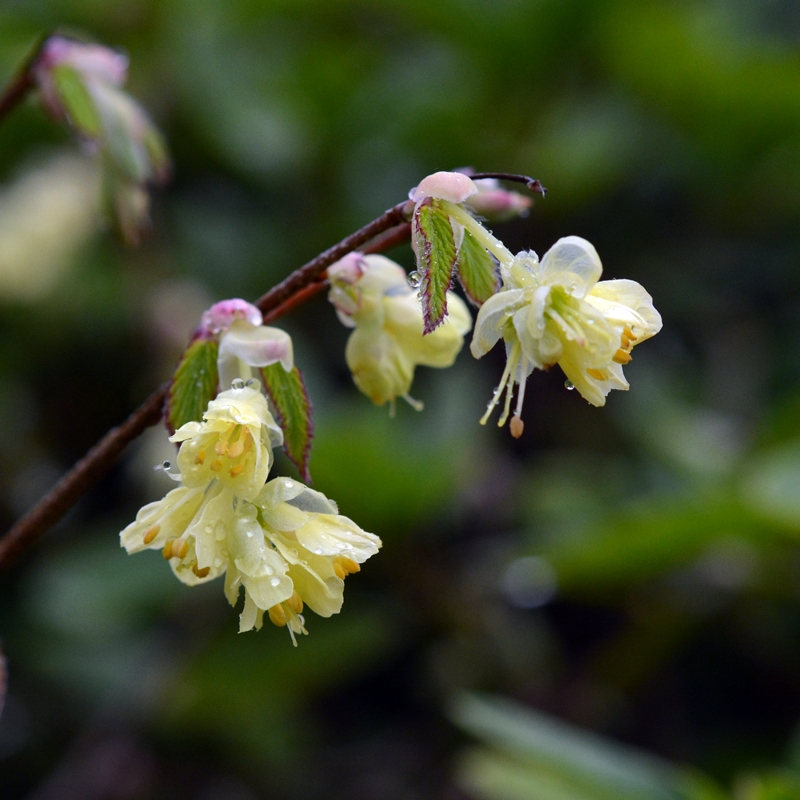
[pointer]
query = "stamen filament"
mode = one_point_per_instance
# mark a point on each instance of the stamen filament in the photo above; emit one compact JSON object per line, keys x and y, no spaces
{"x":493,"y":245}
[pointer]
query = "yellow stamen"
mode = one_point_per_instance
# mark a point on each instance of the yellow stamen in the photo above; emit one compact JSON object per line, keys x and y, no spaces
{"x":340,"y":571}
{"x":621,"y":357}
{"x":277,"y":615}
{"x":201,"y":573}
{"x":516,"y":426}
{"x":295,"y":603}
{"x":215,"y":465}
{"x":151,"y":534}
{"x":200,"y":457}
{"x":180,"y":547}
{"x":167,"y":551}
{"x":221,"y":447}
{"x":347,"y":564}
{"x":598,"y":374}
{"x":628,"y":333}
{"x":236,"y":449}
{"x":625,"y":342}
{"x":237,"y":470}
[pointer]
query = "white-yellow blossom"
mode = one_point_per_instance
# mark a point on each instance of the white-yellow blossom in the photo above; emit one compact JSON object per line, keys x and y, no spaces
{"x":285,"y":544}
{"x":372,"y":295}
{"x":556,"y":312}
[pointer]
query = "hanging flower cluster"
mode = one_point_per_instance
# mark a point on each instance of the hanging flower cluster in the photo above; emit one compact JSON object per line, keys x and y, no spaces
{"x":80,"y":84}
{"x":283,"y":543}
{"x":372,"y":295}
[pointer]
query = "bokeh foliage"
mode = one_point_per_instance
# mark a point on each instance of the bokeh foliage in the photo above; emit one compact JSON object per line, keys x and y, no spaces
{"x":633,"y":571}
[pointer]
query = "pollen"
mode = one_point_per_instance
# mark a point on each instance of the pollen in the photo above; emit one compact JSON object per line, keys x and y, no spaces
{"x":215,"y":465}
{"x":151,"y":534}
{"x":277,"y":615}
{"x":200,"y":457}
{"x":201,"y":573}
{"x":597,"y":374}
{"x":621,"y":357}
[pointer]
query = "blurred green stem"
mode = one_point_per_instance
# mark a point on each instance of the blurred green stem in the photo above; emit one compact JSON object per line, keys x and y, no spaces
{"x":277,"y":301}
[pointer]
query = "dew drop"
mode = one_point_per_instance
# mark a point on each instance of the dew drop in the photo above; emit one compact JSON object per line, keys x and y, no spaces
{"x":237,"y":384}
{"x":268,"y":570}
{"x":217,"y":563}
{"x":414,"y":279}
{"x":318,"y":551}
{"x":569,"y":385}
{"x":275,"y":581}
{"x":209,"y":529}
{"x":166,"y":465}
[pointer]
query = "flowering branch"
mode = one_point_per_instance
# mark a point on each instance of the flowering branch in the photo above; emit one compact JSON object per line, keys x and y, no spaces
{"x":279,"y":300}
{"x":531,"y":183}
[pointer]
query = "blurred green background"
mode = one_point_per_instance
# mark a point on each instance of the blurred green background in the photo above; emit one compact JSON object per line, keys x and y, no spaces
{"x":608,"y":608}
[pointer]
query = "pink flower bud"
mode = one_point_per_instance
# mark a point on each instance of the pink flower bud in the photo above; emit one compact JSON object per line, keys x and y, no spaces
{"x":453,"y":186}
{"x":222,"y":315}
{"x":498,"y":204}
{"x":348,"y":269}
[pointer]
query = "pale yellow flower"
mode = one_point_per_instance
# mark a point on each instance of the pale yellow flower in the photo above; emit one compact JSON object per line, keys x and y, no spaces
{"x":284,"y":544}
{"x":556,"y":312}
{"x":372,"y":295}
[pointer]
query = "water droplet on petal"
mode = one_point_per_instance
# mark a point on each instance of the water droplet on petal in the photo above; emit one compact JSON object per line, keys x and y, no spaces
{"x":166,"y":465}
{"x":275,"y":581}
{"x":209,"y":529}
{"x":318,"y":551}
{"x":568,"y":384}
{"x":237,"y":384}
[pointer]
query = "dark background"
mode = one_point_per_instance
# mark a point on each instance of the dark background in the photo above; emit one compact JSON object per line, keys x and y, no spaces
{"x":632,"y":570}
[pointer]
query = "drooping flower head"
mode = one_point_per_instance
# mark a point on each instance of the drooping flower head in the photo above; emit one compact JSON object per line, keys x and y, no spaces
{"x":556,"y":312}
{"x":243,"y":341}
{"x":283,"y":543}
{"x":372,"y":295}
{"x":81,"y":85}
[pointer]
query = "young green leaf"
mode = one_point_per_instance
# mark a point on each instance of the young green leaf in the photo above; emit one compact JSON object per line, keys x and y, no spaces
{"x":194,"y":383}
{"x":288,"y":394}
{"x":476,"y":270}
{"x":436,"y":257}
{"x":77,"y":101}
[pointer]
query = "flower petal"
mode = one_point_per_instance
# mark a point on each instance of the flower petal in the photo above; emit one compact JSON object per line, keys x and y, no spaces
{"x":257,"y":346}
{"x":453,"y":186}
{"x":573,"y":263}
{"x":491,"y":318}
{"x":627,"y":303}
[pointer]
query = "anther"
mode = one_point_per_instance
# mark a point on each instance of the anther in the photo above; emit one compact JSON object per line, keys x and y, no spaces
{"x":516,"y":426}
{"x":215,"y":465}
{"x":237,"y":470}
{"x":598,"y":374}
{"x":180,"y":547}
{"x":200,"y":457}
{"x":277,"y":615}
{"x":167,"y":551}
{"x":201,"y":573}
{"x":621,"y":357}
{"x":151,"y":534}
{"x":347,"y":564}
{"x":627,"y":332}
{"x":340,"y":571}
{"x":295,"y":603}
{"x":236,"y":449}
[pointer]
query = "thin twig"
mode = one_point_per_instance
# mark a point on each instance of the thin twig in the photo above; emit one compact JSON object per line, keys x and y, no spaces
{"x":18,"y":87}
{"x":532,"y":183}
{"x":85,"y":474}
{"x":297,"y":299}
{"x":386,"y":241}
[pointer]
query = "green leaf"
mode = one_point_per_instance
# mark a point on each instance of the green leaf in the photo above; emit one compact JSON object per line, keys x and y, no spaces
{"x":194,"y":383}
{"x":436,"y":258}
{"x":79,"y":105}
{"x":288,"y":394}
{"x":542,"y":758}
{"x":476,"y":269}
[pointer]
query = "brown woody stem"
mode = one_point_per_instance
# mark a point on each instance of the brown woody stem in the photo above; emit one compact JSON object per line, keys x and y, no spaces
{"x":298,"y":287}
